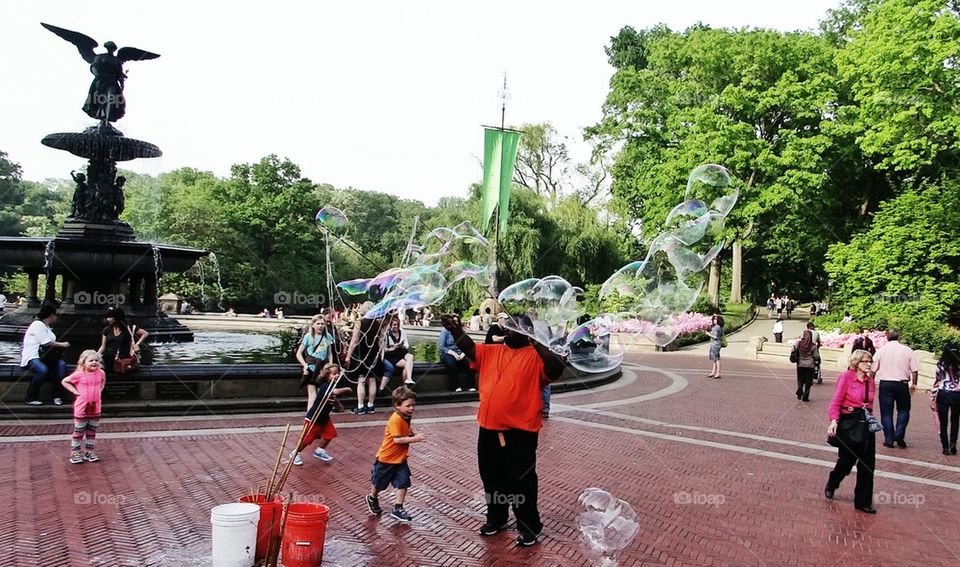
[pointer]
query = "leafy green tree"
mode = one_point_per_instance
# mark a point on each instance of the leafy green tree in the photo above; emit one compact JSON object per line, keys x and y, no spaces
{"x":756,"y":101}
{"x":903,"y":64}
{"x":11,"y":197}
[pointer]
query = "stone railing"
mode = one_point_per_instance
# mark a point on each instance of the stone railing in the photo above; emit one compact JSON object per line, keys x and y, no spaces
{"x":832,"y":359}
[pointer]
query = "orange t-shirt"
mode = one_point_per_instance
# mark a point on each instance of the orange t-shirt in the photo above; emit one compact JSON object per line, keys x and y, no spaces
{"x":510,"y":381}
{"x":391,"y":451}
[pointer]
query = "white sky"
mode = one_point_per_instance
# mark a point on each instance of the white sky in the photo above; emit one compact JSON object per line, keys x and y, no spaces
{"x":378,"y":95}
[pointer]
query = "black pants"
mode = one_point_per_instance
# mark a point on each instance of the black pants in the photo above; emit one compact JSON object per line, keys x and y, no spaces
{"x":509,"y":475}
{"x":459,"y":374}
{"x":805,"y":378}
{"x":948,"y":408}
{"x":865,"y":458}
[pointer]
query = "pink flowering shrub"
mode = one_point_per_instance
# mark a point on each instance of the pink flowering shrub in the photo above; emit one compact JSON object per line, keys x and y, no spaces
{"x":840,"y":340}
{"x":687,"y":324}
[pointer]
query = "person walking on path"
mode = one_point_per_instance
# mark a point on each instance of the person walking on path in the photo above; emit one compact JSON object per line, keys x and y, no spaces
{"x":854,"y":395}
{"x":896,"y":368}
{"x":771,"y":303}
{"x":320,"y":426}
{"x":390,"y":466}
{"x":863,"y":342}
{"x":716,"y":343}
{"x":86,"y":384}
{"x":946,"y":397}
{"x":511,"y":378}
{"x":42,"y":354}
{"x":807,"y":359}
{"x":778,"y":330}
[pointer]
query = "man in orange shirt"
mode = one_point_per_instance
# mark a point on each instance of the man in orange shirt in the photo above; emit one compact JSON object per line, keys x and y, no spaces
{"x":511,"y":377}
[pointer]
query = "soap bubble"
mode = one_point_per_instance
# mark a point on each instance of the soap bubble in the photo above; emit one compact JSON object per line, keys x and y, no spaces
{"x":607,"y":523}
{"x":711,"y":184}
{"x":647,"y":297}
{"x":462,"y":269}
{"x":332,"y":219}
{"x":551,"y":304}
{"x":593,"y":348}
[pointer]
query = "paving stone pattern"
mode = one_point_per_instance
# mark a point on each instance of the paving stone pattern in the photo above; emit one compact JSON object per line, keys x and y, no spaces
{"x":720,"y":472}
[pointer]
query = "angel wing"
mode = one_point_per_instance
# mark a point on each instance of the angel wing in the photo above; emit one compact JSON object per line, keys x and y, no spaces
{"x":85,"y":44}
{"x":125,"y":54}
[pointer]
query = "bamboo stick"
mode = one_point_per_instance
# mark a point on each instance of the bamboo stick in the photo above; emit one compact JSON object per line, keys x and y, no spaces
{"x":276,"y":466}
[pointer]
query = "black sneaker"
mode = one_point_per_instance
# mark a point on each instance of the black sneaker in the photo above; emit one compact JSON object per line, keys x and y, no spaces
{"x":370,"y":409}
{"x":526,"y":539}
{"x":373,"y":504}
{"x":358,"y":411}
{"x":489,"y":529}
{"x":400,"y":514}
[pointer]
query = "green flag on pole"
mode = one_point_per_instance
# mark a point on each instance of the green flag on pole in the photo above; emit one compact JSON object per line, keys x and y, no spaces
{"x":499,"y":155}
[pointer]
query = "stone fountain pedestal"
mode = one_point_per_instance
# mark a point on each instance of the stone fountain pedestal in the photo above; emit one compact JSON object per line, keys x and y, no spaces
{"x":96,"y":261}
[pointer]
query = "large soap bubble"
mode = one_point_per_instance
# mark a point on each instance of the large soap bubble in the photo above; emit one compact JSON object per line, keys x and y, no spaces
{"x":443,"y":257}
{"x":332,"y":219}
{"x":650,"y":295}
{"x":593,"y":347}
{"x":552,"y":306}
{"x":607,"y":523}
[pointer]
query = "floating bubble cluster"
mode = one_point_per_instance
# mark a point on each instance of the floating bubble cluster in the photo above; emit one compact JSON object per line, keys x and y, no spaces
{"x":551,"y":304}
{"x":593,"y":348}
{"x":437,"y":265}
{"x":332,"y":219}
{"x":607,"y":523}
{"x":669,"y":280}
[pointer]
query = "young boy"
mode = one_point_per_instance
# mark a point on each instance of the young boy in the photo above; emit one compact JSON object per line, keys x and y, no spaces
{"x":391,"y":464}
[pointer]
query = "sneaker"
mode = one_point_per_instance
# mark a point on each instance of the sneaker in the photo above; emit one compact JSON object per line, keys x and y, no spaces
{"x":473,"y":390}
{"x":90,"y":457}
{"x":370,"y":409}
{"x":409,"y":382}
{"x":297,"y":460}
{"x":358,"y":411}
{"x":57,"y":402}
{"x":489,"y":529}
{"x":34,"y":403}
{"x":400,"y":514}
{"x":458,"y":390}
{"x":526,"y":539}
{"x":76,"y":458}
{"x":373,"y":504}
{"x":323,"y":455}
{"x":545,"y":414}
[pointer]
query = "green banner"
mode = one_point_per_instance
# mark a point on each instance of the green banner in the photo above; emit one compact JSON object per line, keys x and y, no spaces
{"x":499,"y":156}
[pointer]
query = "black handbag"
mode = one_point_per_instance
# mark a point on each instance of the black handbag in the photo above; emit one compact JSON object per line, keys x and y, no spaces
{"x":853,"y":431}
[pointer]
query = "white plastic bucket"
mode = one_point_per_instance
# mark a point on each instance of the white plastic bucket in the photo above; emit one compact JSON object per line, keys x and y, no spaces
{"x":234,"y":534}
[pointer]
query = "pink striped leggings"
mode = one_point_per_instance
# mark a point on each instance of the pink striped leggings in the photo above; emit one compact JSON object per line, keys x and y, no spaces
{"x":84,"y":426}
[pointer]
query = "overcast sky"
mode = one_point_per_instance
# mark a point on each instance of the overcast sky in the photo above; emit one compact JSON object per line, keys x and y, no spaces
{"x":378,"y":95}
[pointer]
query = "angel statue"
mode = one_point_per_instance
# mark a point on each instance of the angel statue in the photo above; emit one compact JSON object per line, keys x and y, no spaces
{"x":105,"y":99}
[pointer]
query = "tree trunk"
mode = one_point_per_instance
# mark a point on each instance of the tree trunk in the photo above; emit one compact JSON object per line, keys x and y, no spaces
{"x":713,"y":286}
{"x":736,"y":276}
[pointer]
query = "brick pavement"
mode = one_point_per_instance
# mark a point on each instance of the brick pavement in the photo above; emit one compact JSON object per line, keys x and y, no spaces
{"x":748,"y":457}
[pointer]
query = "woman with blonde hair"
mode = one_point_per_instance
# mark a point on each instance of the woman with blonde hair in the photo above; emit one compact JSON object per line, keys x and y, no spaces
{"x":853,"y":398}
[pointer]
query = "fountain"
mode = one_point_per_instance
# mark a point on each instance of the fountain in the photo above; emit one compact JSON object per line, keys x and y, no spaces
{"x":95,"y":260}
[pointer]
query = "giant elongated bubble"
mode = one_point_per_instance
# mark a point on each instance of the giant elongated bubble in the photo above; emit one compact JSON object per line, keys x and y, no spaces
{"x":668,"y":281}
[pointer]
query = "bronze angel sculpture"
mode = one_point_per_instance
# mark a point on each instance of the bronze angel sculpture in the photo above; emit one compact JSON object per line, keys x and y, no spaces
{"x":105,"y":100}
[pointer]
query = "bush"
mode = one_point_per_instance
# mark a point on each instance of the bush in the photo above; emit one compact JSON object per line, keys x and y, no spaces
{"x":918,"y":328}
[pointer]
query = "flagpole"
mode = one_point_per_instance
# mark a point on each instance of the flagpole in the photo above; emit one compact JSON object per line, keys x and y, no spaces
{"x":495,"y":271}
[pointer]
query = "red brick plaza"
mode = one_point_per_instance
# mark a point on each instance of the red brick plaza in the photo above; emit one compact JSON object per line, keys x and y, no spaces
{"x":719,"y":472}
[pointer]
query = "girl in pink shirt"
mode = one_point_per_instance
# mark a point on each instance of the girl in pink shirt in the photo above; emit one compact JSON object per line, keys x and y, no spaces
{"x":86,"y":384}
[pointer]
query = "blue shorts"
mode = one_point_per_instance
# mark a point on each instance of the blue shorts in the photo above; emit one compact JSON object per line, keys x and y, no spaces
{"x":384,"y":474}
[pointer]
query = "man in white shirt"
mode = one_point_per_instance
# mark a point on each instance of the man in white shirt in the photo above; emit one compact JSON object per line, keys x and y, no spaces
{"x":896,"y":369}
{"x":50,"y":365}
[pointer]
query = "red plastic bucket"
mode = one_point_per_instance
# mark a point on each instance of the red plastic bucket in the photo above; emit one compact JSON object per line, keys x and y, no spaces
{"x":269,"y":525}
{"x":304,"y":533}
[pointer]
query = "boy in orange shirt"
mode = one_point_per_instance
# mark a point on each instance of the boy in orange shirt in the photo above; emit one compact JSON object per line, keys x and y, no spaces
{"x":390,"y":466}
